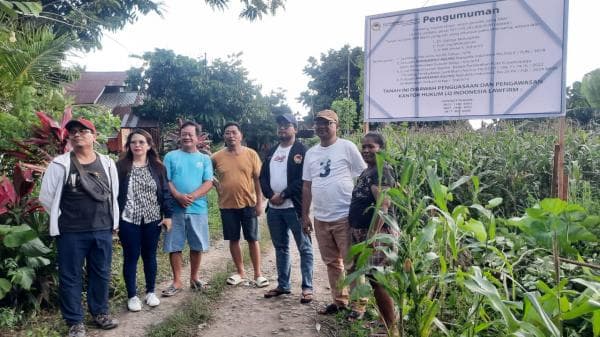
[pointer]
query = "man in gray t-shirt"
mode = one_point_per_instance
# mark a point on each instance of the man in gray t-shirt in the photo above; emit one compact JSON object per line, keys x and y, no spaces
{"x":79,"y":191}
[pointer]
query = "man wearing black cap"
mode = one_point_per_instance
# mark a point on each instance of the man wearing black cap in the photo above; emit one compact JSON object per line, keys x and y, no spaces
{"x":79,"y":191}
{"x":281,"y":183}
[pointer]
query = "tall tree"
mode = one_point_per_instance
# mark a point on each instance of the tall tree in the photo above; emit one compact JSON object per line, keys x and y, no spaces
{"x":176,"y":86}
{"x":575,"y":98}
{"x":329,"y":78}
{"x":590,"y":88}
{"x":346,"y":111}
{"x":85,"y":20}
{"x":277,"y":102}
{"x":252,"y":9}
{"x":578,"y":107}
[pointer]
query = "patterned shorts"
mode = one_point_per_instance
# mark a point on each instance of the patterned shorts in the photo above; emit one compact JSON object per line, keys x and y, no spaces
{"x":378,"y":258}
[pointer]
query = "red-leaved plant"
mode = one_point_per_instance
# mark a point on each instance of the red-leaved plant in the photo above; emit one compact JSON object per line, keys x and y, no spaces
{"x":15,"y":195}
{"x":49,"y":139}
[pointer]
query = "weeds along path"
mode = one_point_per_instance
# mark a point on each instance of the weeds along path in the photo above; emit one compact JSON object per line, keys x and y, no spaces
{"x":244,"y":312}
{"x":135,"y":324}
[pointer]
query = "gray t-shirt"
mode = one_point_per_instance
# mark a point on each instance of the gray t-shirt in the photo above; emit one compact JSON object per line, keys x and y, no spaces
{"x":79,"y":212}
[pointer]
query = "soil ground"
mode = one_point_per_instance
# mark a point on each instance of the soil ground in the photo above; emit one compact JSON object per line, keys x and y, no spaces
{"x":242,"y":311}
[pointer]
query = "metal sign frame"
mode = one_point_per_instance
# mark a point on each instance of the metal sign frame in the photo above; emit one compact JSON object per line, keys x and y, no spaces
{"x":412,"y":19}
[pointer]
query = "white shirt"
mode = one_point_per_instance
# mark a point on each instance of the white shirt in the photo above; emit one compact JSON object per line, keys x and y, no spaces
{"x":331,"y":170}
{"x":278,"y":170}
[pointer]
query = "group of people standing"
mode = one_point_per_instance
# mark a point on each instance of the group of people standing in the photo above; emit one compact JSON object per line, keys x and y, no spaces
{"x":89,"y":197}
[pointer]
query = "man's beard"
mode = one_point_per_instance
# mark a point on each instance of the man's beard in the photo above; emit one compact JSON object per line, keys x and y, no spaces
{"x":285,"y":138}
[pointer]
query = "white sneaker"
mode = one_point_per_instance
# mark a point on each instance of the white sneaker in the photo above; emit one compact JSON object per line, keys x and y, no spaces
{"x":134,"y":304}
{"x":152,"y":300}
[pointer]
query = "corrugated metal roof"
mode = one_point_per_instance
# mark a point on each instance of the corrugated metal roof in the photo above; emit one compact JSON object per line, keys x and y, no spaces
{"x":131,"y":120}
{"x":88,"y":88}
{"x":116,"y":99}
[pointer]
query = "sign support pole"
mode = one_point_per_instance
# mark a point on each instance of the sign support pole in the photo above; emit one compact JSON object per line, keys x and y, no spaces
{"x":560,"y":181}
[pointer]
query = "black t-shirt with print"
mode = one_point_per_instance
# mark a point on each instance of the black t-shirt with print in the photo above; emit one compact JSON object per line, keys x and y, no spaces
{"x":362,"y":205}
{"x":78,"y":211}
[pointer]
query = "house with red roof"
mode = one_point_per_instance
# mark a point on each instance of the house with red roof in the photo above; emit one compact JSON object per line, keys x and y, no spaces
{"x":108,"y":88}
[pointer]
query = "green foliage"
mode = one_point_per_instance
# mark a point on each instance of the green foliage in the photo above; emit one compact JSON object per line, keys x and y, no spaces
{"x":459,"y":266}
{"x":329,"y":78}
{"x":575,"y":98}
{"x":14,"y":8}
{"x":30,"y":74}
{"x":251,"y":10}
{"x":107,"y":124}
{"x":25,"y":264}
{"x":578,"y":108}
{"x":346,"y":111}
{"x":85,"y":20}
{"x":9,"y":317}
{"x":35,"y":56}
{"x":569,"y":222}
{"x":590,"y":88}
{"x":176,"y":86}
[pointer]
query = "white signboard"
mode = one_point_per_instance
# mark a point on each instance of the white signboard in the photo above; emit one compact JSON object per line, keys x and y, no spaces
{"x":467,"y":60}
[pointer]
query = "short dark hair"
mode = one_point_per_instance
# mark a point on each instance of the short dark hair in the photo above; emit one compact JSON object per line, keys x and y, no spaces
{"x":236,"y":124}
{"x":377,"y":138}
{"x":196,"y":126}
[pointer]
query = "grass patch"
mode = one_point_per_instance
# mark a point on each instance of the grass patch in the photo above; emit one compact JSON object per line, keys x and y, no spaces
{"x":338,"y":326}
{"x":118,"y":295}
{"x":199,"y":310}
{"x":49,"y":322}
{"x":185,"y":323}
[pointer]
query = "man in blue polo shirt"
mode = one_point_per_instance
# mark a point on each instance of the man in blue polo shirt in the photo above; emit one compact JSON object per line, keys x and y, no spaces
{"x":190,"y":175}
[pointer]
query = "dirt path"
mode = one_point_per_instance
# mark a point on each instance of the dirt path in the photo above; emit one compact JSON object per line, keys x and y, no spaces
{"x":134,"y":324}
{"x":243,"y":310}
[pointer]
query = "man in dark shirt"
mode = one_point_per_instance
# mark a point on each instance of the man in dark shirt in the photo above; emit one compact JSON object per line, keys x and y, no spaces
{"x":79,"y":191}
{"x":281,"y":183}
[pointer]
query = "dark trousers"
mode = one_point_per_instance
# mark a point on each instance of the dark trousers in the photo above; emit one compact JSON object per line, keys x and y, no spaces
{"x":95,"y":249}
{"x":139,"y":240}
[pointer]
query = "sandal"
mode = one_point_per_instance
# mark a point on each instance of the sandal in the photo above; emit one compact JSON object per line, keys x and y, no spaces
{"x":198,"y":285}
{"x":306,"y":297}
{"x":235,"y":279}
{"x":170,"y":291}
{"x":261,"y":282}
{"x":354,"y":315}
{"x":276,"y":292}
{"x":330,"y":309}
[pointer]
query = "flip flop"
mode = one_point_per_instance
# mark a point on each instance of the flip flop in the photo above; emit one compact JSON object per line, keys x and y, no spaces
{"x":235,"y":279}
{"x":170,"y":291}
{"x":261,"y":282}
{"x":276,"y":292}
{"x":198,"y":285}
{"x":306,"y":297}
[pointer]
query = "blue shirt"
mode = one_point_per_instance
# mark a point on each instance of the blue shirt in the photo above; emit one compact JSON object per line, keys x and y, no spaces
{"x":187,"y":171}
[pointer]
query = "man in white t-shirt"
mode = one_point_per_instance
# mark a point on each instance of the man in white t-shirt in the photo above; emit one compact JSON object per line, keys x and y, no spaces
{"x":281,"y":183}
{"x":328,"y":179}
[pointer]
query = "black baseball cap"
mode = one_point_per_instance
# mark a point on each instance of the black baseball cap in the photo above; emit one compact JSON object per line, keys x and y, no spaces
{"x":286,"y":118}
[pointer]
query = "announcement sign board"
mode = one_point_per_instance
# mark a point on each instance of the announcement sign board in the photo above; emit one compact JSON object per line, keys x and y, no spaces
{"x":473,"y":59}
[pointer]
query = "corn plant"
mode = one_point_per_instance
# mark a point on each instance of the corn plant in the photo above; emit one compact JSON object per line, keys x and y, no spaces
{"x":449,"y":251}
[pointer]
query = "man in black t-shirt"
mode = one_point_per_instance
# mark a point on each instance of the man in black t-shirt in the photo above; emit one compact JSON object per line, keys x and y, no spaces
{"x":79,"y":191}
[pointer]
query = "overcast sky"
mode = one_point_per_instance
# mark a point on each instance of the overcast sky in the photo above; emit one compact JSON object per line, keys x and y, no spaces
{"x":276,"y":49}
